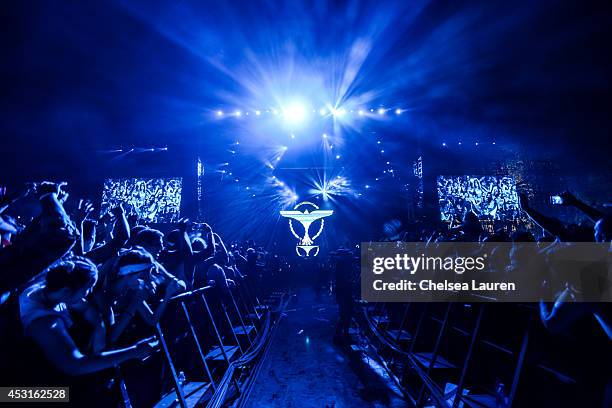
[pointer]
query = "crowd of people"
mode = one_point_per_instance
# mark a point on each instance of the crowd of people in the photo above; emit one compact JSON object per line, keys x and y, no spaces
{"x":490,"y":197}
{"x":154,"y":200}
{"x":80,"y":294}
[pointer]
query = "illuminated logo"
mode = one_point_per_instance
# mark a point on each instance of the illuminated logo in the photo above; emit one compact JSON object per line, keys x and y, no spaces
{"x":306,"y":243}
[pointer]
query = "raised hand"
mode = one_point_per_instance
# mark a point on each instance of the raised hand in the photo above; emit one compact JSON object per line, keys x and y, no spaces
{"x":118,"y":211}
{"x":49,"y":187}
{"x":83,"y":210}
{"x":133,"y":219}
{"x":568,"y":198}
{"x":184,"y":224}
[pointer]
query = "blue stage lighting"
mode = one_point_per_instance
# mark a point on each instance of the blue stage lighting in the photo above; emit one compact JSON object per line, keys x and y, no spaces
{"x":322,"y":111}
{"x":337,"y":157}
{"x":398,"y":111}
{"x":381,"y":111}
{"x":238,"y":113}
{"x":258,"y":112}
{"x":295,"y":113}
{"x":220,"y":113}
{"x":324,"y":135}
{"x":361,"y":112}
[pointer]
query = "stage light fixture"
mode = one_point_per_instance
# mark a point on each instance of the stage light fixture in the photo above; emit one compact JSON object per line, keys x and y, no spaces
{"x":361,"y":112}
{"x":238,"y":113}
{"x":337,"y":157}
{"x":295,"y":113}
{"x":381,"y":111}
{"x":322,"y":111}
{"x":220,"y":113}
{"x":258,"y":112}
{"x":324,"y":135}
{"x":398,"y":111}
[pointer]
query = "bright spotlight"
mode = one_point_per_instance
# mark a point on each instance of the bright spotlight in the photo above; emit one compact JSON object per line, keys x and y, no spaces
{"x":258,"y":112}
{"x":324,"y":135}
{"x":341,"y":112}
{"x":381,"y":111}
{"x":337,"y":157}
{"x":238,"y":113}
{"x":220,"y":113}
{"x":295,"y":113}
{"x":361,"y":112}
{"x":322,"y":111}
{"x":398,"y":111}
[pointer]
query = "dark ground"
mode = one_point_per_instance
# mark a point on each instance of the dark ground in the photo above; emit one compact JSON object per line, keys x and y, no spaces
{"x":304,"y":368}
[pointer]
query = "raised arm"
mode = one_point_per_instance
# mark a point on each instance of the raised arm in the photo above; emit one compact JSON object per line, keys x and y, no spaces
{"x":552,"y":225}
{"x":121,"y":234}
{"x":562,"y":315}
{"x":591,"y":212}
{"x":51,"y":336}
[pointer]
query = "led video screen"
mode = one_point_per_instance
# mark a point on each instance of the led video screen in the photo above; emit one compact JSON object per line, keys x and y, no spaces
{"x":156,"y":200}
{"x":490,"y":197}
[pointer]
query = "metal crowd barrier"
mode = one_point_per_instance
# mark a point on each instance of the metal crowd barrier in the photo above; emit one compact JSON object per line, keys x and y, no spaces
{"x":201,"y":333}
{"x":475,"y":355}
